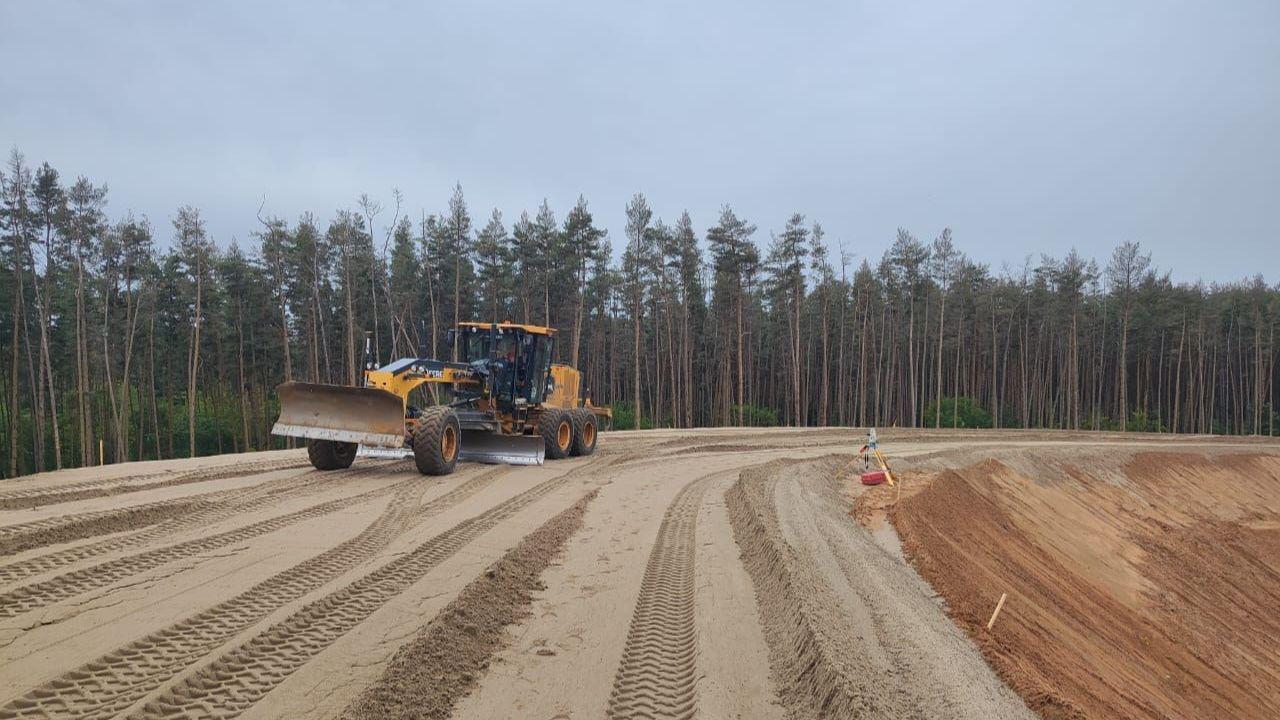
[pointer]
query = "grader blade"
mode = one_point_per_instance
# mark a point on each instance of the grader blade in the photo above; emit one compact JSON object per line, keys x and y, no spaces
{"x":483,"y":446}
{"x":368,"y":416}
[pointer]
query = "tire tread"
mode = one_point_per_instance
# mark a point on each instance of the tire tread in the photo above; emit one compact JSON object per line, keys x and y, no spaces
{"x":426,"y":441}
{"x":581,"y":418}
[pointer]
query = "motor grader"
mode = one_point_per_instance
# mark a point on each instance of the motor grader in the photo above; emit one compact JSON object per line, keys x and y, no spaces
{"x":507,"y":402}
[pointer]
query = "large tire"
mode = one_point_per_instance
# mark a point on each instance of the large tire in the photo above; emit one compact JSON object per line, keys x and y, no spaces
{"x":556,"y":428}
{"x":585,"y":432}
{"x":436,"y":441}
{"x":331,"y":454}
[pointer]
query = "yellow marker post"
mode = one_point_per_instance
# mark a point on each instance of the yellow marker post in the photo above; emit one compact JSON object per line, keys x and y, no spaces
{"x":999,"y":605}
{"x":102,"y":455}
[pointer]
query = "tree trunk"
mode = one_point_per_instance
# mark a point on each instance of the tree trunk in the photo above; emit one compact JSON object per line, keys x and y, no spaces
{"x":194,"y":366}
{"x":741,"y":374}
{"x":635,"y":322}
{"x":352,"y":372}
{"x":796,"y":369}
{"x":823,"y":400}
{"x":577,"y":321}
{"x":942,"y":322}
{"x":457,"y":292}
{"x":244,"y":399}
{"x":15,"y":419}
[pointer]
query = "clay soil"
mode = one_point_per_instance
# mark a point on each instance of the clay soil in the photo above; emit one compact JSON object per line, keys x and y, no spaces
{"x":711,"y":573}
{"x":1140,"y":584}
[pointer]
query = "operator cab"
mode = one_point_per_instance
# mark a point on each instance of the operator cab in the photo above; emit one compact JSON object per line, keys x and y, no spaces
{"x":515,"y":360}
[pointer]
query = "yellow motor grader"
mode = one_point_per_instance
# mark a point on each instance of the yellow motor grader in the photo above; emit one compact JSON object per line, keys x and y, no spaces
{"x":509,"y":403}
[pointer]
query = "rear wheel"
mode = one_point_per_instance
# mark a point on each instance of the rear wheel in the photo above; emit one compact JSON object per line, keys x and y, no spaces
{"x":436,"y":441}
{"x":331,"y":454}
{"x":584,"y":432}
{"x":556,"y":428}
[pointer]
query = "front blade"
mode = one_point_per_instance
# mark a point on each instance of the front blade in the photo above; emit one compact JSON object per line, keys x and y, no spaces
{"x":483,"y":446}
{"x":368,"y":416}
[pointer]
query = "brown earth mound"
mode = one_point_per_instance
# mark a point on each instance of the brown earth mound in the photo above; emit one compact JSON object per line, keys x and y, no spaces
{"x":1154,"y":596}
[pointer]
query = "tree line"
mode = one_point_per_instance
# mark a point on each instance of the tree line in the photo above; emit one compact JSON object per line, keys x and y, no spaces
{"x":125,"y":339}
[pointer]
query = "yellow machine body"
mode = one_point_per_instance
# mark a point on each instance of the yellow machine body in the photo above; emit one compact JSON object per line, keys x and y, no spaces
{"x":380,"y":414}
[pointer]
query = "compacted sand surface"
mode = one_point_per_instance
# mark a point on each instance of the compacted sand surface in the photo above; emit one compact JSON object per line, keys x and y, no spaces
{"x":708,"y":573}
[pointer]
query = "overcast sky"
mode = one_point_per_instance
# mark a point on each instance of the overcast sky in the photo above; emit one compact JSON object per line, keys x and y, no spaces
{"x":1027,"y":127}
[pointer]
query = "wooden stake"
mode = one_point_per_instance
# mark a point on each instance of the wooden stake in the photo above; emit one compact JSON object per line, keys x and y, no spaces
{"x":999,"y":605}
{"x":102,"y":455}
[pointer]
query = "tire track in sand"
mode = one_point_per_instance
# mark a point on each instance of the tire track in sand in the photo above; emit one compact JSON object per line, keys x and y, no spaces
{"x":244,"y":502}
{"x":176,"y":515}
{"x":41,"y":594}
{"x":851,"y":629}
{"x":35,"y":497}
{"x":656,"y":677}
{"x":67,"y":528}
{"x":113,"y":682}
{"x":239,"y":678}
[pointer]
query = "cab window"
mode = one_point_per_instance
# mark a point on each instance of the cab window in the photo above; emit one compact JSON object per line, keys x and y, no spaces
{"x":539,"y":354}
{"x":475,"y":345}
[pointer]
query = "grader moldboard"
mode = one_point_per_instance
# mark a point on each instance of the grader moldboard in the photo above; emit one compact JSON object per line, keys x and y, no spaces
{"x":509,"y":403}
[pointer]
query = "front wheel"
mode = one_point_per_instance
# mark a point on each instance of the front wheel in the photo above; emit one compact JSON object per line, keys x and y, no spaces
{"x":436,"y":441}
{"x":331,"y":454}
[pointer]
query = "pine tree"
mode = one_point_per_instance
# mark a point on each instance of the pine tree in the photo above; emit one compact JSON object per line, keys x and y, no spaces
{"x":274,"y":240}
{"x":943,"y":258}
{"x":50,"y":209}
{"x":736,"y":261}
{"x":787,"y":257}
{"x":635,"y":262}
{"x":582,"y":242}
{"x":405,"y":272}
{"x":457,"y":231}
{"x":824,"y":279}
{"x":19,"y":234}
{"x":494,"y":260}
{"x":194,"y":250}
{"x":126,"y":262}
{"x":905,"y":264}
{"x":544,"y":248}
{"x":1127,"y":267}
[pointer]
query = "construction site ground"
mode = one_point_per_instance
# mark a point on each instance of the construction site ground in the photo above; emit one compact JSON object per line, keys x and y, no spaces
{"x":718,"y":573}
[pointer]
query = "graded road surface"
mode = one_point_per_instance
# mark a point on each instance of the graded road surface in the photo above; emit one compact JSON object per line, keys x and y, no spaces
{"x":682,"y":573}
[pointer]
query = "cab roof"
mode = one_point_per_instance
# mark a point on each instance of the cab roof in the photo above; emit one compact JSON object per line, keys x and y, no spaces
{"x":531,"y":329}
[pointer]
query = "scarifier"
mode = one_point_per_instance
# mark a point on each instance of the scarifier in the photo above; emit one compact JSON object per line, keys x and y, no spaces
{"x":509,"y":403}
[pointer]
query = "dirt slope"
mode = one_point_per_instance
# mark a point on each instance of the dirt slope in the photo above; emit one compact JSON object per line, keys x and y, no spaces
{"x":1139,"y":587}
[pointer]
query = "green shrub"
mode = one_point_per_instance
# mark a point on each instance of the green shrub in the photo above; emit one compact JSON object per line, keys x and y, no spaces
{"x":754,"y":416}
{"x":1139,"y":422}
{"x":624,"y":418}
{"x":963,"y":412}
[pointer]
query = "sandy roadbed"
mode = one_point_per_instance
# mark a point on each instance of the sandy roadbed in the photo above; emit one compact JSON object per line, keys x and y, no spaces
{"x":711,"y":573}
